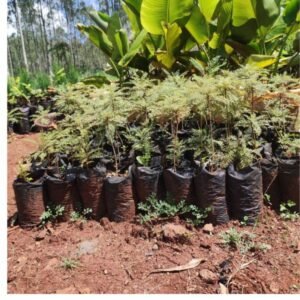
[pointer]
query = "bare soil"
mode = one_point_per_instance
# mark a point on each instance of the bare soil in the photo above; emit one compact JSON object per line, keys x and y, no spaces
{"x":110,"y":257}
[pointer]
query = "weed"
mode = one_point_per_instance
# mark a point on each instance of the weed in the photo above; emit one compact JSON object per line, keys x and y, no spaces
{"x":287,"y":213}
{"x":69,"y":263}
{"x":243,"y":241}
{"x":155,"y":209}
{"x":231,"y":237}
{"x":83,"y":216}
{"x":51,"y":214}
{"x":263,"y":247}
{"x":267,"y":199}
{"x":245,"y":221}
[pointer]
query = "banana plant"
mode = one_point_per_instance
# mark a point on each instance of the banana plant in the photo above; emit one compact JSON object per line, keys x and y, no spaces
{"x":108,"y":35}
{"x":179,"y":34}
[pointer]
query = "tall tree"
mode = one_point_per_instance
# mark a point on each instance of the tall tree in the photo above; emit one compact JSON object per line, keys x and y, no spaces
{"x":19,"y":24}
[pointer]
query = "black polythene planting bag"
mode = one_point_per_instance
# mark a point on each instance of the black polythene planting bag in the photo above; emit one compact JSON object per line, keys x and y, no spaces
{"x":147,"y":181}
{"x":210,"y":191}
{"x":119,"y":198}
{"x":24,"y":124}
{"x":289,"y":180}
{"x":63,"y":191}
{"x":90,"y":183}
{"x":244,"y":193}
{"x":179,"y":186}
{"x":271,"y":181}
{"x":30,"y":200}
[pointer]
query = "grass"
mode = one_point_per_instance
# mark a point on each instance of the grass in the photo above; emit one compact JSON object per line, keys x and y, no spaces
{"x":69,"y":263}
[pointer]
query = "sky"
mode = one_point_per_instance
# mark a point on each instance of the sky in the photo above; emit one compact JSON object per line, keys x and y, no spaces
{"x":59,"y":17}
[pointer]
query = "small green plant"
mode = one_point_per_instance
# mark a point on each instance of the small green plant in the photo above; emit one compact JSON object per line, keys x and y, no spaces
{"x":267,"y":199}
{"x":24,"y":171}
{"x":42,"y":115}
{"x":14,"y":116}
{"x":155,"y":209}
{"x":231,"y":237}
{"x":142,"y":143}
{"x":69,"y":263}
{"x":175,"y":151}
{"x":83,"y":216}
{"x":290,"y":145}
{"x":51,"y":214}
{"x":245,"y":221}
{"x":287,"y":213}
{"x":243,"y":241}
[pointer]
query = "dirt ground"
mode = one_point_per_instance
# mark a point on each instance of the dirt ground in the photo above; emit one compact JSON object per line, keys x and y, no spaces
{"x":112,"y":257}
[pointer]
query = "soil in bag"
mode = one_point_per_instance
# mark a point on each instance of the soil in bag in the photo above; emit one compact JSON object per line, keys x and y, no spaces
{"x":210,"y":190}
{"x":271,"y":181}
{"x":179,"y":185}
{"x":244,"y":193}
{"x":63,"y":192}
{"x":90,"y":184}
{"x":30,"y":200}
{"x":119,"y":198}
{"x":289,"y":181}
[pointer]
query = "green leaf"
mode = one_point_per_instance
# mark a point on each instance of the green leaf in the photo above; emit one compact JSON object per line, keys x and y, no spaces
{"x":133,"y":16}
{"x":198,"y":65}
{"x":114,"y":25}
{"x":261,"y":61}
{"x":208,"y":8}
{"x":133,"y":49}
{"x":104,"y":16}
{"x":154,"y":12}
{"x":100,"y":79}
{"x":121,"y":42}
{"x":243,"y":10}
{"x":98,"y":20}
{"x":136,"y":4}
{"x":215,"y":41}
{"x":98,"y":37}
{"x":267,"y":11}
{"x":172,"y":35}
{"x":291,"y":12}
{"x":197,"y":26}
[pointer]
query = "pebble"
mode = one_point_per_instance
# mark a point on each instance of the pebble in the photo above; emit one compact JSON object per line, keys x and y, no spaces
{"x":208,"y":228}
{"x":208,"y":276}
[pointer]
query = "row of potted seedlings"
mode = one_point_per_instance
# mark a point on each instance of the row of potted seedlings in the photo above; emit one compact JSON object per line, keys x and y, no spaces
{"x":212,"y":141}
{"x":24,"y":108}
{"x":113,"y":189}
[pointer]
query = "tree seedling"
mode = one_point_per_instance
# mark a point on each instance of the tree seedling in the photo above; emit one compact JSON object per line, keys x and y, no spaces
{"x":24,"y":171}
{"x":140,"y":137}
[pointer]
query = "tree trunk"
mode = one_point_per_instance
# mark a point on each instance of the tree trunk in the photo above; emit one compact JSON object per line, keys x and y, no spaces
{"x":48,"y":55}
{"x":11,"y":68}
{"x":19,"y":25}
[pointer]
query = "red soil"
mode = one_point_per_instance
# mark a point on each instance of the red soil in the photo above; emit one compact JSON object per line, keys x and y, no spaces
{"x":118,"y":257}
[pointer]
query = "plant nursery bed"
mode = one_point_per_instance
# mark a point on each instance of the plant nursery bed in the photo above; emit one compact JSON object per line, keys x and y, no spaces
{"x":108,"y":257}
